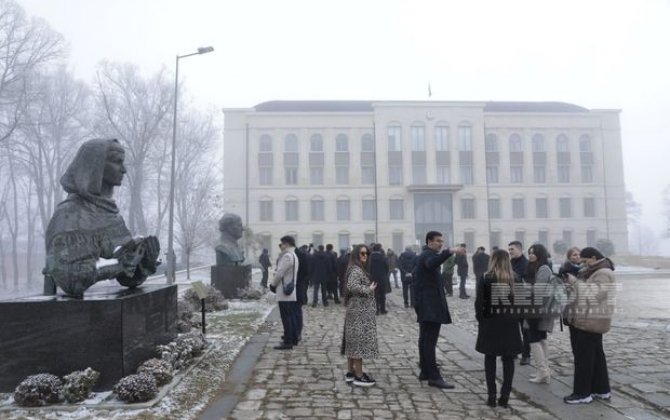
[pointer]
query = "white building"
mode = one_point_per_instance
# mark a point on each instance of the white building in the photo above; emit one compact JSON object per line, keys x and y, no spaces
{"x":483,"y":173}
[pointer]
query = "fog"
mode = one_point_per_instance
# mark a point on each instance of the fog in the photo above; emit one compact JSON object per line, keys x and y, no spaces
{"x":596,"y":54}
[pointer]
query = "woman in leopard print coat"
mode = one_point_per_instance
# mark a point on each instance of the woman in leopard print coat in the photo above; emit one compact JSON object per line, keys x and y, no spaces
{"x":360,"y":323}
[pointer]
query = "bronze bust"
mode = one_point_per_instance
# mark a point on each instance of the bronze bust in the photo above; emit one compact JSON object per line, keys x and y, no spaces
{"x":228,"y":252}
{"x":87,"y":239}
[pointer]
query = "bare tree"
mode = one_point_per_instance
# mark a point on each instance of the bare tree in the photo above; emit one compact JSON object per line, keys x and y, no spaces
{"x":196,"y":181}
{"x":136,"y":111}
{"x":25,"y":45}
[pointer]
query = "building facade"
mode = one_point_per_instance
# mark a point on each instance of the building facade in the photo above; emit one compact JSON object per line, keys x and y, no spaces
{"x":483,"y":173}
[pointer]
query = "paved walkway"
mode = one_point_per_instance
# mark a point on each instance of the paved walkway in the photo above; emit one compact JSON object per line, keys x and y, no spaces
{"x":307,"y":382}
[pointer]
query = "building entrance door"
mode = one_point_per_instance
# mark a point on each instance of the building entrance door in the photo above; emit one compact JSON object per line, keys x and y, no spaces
{"x":433,"y":211}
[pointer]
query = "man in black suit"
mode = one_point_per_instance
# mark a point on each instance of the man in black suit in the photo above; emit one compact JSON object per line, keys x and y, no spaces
{"x":431,"y":305}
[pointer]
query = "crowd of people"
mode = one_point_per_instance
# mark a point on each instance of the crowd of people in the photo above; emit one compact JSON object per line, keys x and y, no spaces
{"x":581,"y":296}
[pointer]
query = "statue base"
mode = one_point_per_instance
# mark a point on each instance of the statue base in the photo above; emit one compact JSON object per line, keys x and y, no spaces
{"x":228,"y":278}
{"x":113,"y":330}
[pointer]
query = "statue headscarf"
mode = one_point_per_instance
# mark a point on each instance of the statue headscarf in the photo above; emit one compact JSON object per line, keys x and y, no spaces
{"x":83,"y":178}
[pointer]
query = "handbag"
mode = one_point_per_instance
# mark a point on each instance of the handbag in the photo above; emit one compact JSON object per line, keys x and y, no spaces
{"x":290,"y":286}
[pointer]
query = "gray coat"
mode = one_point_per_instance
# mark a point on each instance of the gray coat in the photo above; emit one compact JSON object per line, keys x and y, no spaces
{"x":545,"y":323}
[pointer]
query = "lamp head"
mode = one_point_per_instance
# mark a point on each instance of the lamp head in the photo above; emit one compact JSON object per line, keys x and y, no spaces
{"x":205,"y":50}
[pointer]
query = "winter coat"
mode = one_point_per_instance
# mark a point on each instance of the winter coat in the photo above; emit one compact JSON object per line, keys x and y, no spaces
{"x":539,"y":322}
{"x":303,"y":277}
{"x":519,"y":266}
{"x":360,"y":321}
{"x":332,"y":275}
{"x":287,"y":271}
{"x":393,"y":261}
{"x":569,"y":268}
{"x":594,"y":295}
{"x":407,"y":262}
{"x":462,"y":263}
{"x":430,"y":299}
{"x":264,"y":260}
{"x":320,"y":266}
{"x":379,"y":271}
{"x":498,"y":334}
{"x":480,"y":263}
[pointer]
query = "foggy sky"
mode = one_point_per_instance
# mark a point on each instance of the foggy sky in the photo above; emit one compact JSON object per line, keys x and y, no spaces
{"x":597,"y":54}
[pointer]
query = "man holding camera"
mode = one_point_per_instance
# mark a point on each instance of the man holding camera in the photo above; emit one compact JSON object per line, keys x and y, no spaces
{"x":283,"y":285}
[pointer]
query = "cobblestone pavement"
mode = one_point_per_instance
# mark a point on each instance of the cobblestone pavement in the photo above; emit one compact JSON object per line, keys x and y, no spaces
{"x":307,"y":382}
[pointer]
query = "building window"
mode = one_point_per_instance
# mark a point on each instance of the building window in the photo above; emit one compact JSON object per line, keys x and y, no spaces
{"x":291,"y":175}
{"x":265,"y":210}
{"x":419,"y":174}
{"x":520,"y":235}
{"x":397,"y":209}
{"x":343,"y":241}
{"x":563,"y":174}
{"x":395,"y":175}
{"x":443,"y":174}
{"x":394,"y":138}
{"x":265,"y":175}
{"x":494,"y":208}
{"x":538,"y":144}
{"x":291,"y":143}
{"x":468,"y":208}
{"x":291,"y":207}
{"x":567,"y":237}
{"x":495,"y":239}
{"x":441,"y":138}
{"x":516,"y":174}
{"x":397,"y":240}
{"x":541,"y":208}
{"x":418,"y":138}
{"x":465,"y":138}
{"x":316,"y":143}
{"x":585,"y":143}
{"x":368,"y":209}
{"x":367,"y":143}
{"x":466,"y":175}
{"x":591,"y":237}
{"x":367,"y":175}
{"x":265,"y":143}
{"x":469,"y":238}
{"x":317,"y":209}
{"x":491,"y":143}
{"x":518,"y":208}
{"x":343,"y":210}
{"x":316,"y":175}
{"x":589,"y":207}
{"x":317,"y":238}
{"x":587,"y":174}
{"x":492,"y":174}
{"x":369,"y":237}
{"x":539,"y":174}
{"x":562,"y":144}
{"x":342,"y":175}
{"x":515,"y":143}
{"x":565,"y":207}
{"x":342,"y":143}
{"x":543,"y":237}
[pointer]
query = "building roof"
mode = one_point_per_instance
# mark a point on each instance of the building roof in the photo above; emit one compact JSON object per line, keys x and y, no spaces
{"x":367,"y":106}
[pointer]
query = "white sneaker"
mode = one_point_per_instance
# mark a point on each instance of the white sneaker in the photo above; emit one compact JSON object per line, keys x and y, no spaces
{"x":576,"y":399}
{"x":606,"y":396}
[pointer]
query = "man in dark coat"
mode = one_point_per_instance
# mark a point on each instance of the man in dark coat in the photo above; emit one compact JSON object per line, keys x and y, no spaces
{"x":332,"y":277}
{"x":406,"y":264}
{"x":519,"y":265}
{"x":320,"y":272}
{"x":480,"y":262}
{"x":342,"y":264}
{"x":301,"y":285}
{"x":431,"y":305}
{"x":462,"y":272}
{"x":379,"y":273}
{"x":264,"y":261}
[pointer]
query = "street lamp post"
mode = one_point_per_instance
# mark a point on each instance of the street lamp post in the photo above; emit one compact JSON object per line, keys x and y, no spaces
{"x":171,"y":257}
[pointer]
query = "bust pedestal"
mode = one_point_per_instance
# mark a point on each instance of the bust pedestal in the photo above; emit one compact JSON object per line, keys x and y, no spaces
{"x":228,"y":278}
{"x":112,"y":329}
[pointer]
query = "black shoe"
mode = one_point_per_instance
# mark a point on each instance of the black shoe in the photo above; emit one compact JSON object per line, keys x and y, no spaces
{"x":384,"y":312}
{"x":283,"y":346}
{"x":406,"y":305}
{"x":503,"y":402}
{"x":325,"y":303}
{"x":525,"y":360}
{"x":337,"y":301}
{"x":440,"y":383}
{"x":423,"y":377}
{"x":364,"y":380}
{"x":349,"y":377}
{"x":491,"y":402}
{"x":314,"y":305}
{"x":577,"y":399}
{"x":450,"y":294}
{"x":603,"y":397}
{"x":464,"y":296}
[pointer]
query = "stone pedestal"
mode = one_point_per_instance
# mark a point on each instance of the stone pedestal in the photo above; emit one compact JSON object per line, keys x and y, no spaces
{"x":113,"y":330}
{"x":228,"y":278}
